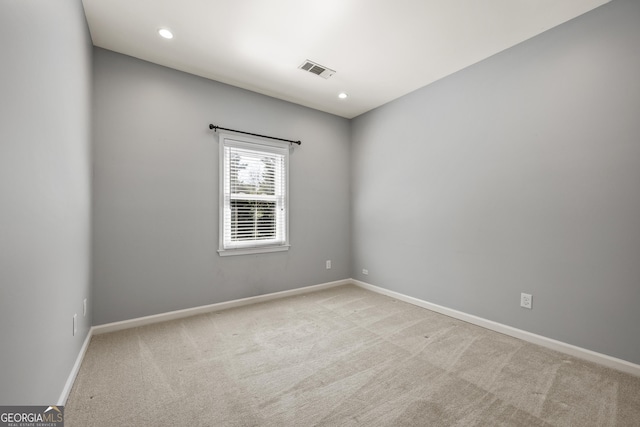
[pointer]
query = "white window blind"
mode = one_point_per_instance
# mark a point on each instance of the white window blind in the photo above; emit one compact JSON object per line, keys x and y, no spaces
{"x":254,"y":185}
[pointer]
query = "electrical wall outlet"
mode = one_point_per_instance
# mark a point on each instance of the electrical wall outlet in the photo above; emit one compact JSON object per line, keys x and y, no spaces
{"x":526,"y":300}
{"x":84,"y":307}
{"x":328,"y":264}
{"x":75,"y":324}
{"x":365,"y":271}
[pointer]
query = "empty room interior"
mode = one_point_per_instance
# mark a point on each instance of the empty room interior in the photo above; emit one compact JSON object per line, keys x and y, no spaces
{"x":332,"y":213}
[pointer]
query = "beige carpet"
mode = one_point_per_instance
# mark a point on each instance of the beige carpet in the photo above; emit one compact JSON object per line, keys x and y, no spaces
{"x":339,"y":357}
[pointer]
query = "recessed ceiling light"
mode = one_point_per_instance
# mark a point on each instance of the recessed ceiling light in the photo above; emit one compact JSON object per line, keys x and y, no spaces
{"x":342,"y":95}
{"x":166,"y":33}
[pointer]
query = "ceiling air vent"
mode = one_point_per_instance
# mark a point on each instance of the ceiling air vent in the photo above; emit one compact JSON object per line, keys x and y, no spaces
{"x":317,"y":69}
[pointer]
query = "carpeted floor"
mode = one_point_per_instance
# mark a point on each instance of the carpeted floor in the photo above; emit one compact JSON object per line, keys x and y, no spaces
{"x":339,"y":357}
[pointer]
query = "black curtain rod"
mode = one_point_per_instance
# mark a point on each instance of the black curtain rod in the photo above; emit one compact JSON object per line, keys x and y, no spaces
{"x":215,"y":128}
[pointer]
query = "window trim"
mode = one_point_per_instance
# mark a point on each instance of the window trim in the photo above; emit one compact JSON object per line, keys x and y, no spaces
{"x":256,"y":144}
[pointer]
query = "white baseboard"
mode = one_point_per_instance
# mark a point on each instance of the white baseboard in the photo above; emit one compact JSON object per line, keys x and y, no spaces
{"x":62,"y":400}
{"x":178,"y":314}
{"x":572,"y":350}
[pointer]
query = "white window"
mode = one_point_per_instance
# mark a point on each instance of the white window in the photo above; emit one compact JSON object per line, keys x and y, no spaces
{"x":253,"y":195}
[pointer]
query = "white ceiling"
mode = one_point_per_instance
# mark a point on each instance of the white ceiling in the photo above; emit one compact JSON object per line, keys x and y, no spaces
{"x":381,"y":49}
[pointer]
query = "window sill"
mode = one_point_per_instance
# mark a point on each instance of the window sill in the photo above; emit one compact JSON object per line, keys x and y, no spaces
{"x":250,"y":251}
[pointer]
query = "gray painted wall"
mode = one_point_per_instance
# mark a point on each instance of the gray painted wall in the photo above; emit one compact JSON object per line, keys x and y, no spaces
{"x":156,"y":191}
{"x":518,"y":174}
{"x":45,"y":87}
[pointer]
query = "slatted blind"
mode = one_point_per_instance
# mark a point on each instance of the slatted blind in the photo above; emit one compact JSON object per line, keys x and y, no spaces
{"x":254,"y":194}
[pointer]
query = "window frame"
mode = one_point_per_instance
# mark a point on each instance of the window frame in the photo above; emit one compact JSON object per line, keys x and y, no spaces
{"x":258,"y":145}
